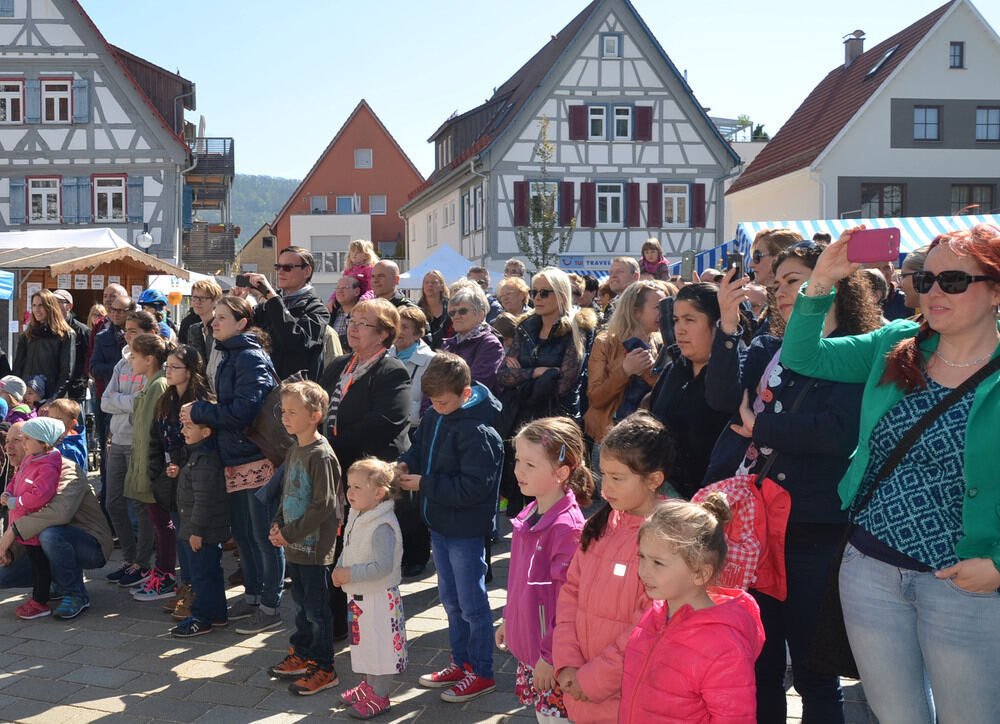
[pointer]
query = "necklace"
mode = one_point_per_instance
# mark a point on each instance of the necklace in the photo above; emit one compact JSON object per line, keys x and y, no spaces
{"x":973,"y":363}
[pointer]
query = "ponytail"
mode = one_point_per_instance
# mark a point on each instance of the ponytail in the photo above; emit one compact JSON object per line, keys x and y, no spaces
{"x":904,"y":365}
{"x":595,"y":525}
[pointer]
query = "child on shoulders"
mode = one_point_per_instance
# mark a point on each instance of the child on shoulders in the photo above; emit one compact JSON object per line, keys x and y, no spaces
{"x":362,"y":259}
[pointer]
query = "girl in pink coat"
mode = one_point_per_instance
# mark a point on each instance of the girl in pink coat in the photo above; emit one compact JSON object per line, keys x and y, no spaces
{"x":691,"y":658}
{"x":603,"y":598}
{"x":550,"y":468}
{"x":361,"y":258}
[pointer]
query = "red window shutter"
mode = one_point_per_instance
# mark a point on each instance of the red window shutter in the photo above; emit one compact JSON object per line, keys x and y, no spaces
{"x":698,"y":210}
{"x":654,"y":206}
{"x":578,"y":123}
{"x":643,"y":124}
{"x":520,"y":203}
{"x":567,"y":202}
{"x":632,"y":205}
{"x":588,"y":204}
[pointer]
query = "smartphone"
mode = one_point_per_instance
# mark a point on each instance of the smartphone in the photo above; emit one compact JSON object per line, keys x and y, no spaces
{"x":874,"y":245}
{"x":687,"y":265}
{"x":667,"y":320}
{"x":242,"y":280}
{"x":735,"y":261}
{"x":633,"y":343}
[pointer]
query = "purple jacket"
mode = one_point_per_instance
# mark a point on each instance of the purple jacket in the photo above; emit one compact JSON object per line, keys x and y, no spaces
{"x":539,"y":559}
{"x":482,"y":351}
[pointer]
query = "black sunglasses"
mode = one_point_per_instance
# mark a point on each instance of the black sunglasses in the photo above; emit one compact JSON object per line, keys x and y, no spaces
{"x":543,"y":293}
{"x":288,"y":267}
{"x":757,"y":256}
{"x":952,"y":281}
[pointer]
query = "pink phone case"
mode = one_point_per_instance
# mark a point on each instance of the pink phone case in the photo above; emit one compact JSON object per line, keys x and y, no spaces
{"x":873,"y":245}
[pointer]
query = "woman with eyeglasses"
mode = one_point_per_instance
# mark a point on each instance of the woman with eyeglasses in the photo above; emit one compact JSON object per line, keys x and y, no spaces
{"x":434,"y":304}
{"x":766,"y":247}
{"x":474,"y":340}
{"x":205,"y":294}
{"x":919,"y":580}
{"x":810,"y":425}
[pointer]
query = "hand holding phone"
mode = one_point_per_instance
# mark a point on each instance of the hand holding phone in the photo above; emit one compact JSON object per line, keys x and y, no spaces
{"x":735,"y":261}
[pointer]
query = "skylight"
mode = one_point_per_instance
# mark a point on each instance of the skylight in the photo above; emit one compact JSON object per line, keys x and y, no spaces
{"x":888,"y":54}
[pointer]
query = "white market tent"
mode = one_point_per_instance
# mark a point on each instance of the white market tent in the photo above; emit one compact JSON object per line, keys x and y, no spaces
{"x":452,"y":265}
{"x":62,"y":238}
{"x":167,"y":283}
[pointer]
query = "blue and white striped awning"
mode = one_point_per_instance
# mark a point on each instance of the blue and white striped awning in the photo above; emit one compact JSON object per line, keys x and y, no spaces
{"x":917,"y":231}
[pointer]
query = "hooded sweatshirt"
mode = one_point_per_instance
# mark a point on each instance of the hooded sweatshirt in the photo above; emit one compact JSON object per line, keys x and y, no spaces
{"x":696,"y":666}
{"x":118,"y":399}
{"x":459,"y":458}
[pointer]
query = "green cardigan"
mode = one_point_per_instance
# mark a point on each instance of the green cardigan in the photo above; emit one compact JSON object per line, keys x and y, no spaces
{"x":862,"y":359}
{"x":138,"y":486}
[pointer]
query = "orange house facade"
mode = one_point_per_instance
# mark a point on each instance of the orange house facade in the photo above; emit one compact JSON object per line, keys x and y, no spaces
{"x":353,"y":191}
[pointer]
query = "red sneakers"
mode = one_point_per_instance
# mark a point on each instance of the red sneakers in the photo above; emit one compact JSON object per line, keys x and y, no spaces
{"x":371,"y":705}
{"x":32,"y":609}
{"x":446,"y":677}
{"x":469,"y":688}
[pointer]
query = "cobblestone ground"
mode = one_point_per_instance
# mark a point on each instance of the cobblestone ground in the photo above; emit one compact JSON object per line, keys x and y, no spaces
{"x":117,"y":662}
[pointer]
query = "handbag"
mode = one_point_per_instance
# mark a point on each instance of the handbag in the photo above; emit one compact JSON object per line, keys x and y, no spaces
{"x":830,"y":650}
{"x":267,"y":431}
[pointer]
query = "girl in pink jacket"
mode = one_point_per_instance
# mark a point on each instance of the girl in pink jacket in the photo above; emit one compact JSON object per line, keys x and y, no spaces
{"x":549,"y":467}
{"x":691,"y":658}
{"x":603,"y":598}
{"x":361,"y":258}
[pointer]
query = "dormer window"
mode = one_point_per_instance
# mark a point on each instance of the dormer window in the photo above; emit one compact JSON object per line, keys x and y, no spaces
{"x":956,"y":55}
{"x":444,"y":152}
{"x":611,"y":45}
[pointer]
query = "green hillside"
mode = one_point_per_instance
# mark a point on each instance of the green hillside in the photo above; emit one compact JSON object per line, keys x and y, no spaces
{"x":256,"y":200}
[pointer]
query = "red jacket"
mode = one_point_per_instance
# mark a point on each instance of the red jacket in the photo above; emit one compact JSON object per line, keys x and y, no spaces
{"x":599,"y":605}
{"x":694,"y":668}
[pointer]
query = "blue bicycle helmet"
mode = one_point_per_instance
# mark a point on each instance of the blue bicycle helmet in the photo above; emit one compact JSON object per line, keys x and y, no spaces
{"x":152,"y":297}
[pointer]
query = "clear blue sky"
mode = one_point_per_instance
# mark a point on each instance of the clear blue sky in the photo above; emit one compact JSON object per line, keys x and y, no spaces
{"x":281,"y":77}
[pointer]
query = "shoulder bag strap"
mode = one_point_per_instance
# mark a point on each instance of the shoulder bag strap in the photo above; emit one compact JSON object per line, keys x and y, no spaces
{"x":914,"y":433}
{"x":808,"y":384}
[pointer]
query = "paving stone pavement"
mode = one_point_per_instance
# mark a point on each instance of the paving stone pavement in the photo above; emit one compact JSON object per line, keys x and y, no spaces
{"x":117,"y":662}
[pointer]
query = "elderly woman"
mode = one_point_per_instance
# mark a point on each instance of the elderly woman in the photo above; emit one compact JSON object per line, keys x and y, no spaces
{"x":513,"y":296}
{"x":474,"y":340}
{"x":414,"y":352}
{"x":434,"y":304}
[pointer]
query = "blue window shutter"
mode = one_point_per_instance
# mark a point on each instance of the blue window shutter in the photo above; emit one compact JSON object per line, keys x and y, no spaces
{"x":85,"y":210}
{"x":18,"y":202}
{"x":32,"y":101}
{"x":81,"y":101}
{"x":133,"y":198}
{"x":71,"y":210}
{"x":188,"y":206}
{"x":6,"y":8}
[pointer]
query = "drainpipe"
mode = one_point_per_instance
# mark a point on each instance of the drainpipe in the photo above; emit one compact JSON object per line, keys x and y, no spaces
{"x":180,"y":180}
{"x":814,"y":176}
{"x":474,"y":172}
{"x":719,"y":183}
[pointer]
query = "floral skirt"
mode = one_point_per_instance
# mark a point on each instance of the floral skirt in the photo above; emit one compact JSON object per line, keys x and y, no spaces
{"x":248,"y":476}
{"x":547,"y":703}
{"x":377,"y":633}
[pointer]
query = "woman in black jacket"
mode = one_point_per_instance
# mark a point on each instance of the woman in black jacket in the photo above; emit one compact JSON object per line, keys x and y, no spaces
{"x":47,"y":346}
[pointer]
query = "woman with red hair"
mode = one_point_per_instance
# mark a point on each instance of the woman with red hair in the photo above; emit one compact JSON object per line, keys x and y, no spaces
{"x":919,"y":579}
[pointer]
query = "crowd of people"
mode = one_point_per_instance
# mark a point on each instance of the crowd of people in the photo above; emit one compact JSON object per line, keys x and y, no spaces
{"x":341,"y":446}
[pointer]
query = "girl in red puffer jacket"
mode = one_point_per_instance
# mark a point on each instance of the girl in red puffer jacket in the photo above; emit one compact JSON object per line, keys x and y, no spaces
{"x":691,"y":658}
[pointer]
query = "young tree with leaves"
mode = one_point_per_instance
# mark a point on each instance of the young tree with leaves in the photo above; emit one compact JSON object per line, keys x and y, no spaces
{"x":543,"y":240}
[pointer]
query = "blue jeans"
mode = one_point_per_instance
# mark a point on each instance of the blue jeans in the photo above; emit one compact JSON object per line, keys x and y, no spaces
{"x":204,"y":568}
{"x":461,"y":570}
{"x":794,"y":621}
{"x":263,"y":564}
{"x":913,"y":634}
{"x":70,"y":550}
{"x":17,"y":574}
{"x":313,"y":637}
{"x":183,"y":552}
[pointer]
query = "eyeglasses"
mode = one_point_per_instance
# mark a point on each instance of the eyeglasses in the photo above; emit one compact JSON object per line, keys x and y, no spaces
{"x":481,"y":282}
{"x":543,"y":293}
{"x":952,"y":281}
{"x":196,"y":298}
{"x":757,"y":256}
{"x":119,"y":310}
{"x":173,"y":368}
{"x":512,"y":273}
{"x":288,"y":267}
{"x":358,"y":323}
{"x":460,"y":312}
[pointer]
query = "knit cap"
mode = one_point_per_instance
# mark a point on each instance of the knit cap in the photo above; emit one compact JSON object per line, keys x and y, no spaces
{"x":13,"y":386}
{"x":44,"y":429}
{"x":37,"y":383}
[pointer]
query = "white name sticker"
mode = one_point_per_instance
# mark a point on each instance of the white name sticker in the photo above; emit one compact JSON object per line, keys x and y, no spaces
{"x":620,"y":569}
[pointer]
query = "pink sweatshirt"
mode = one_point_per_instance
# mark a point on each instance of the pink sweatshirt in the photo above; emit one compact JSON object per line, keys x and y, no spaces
{"x":34,"y":484}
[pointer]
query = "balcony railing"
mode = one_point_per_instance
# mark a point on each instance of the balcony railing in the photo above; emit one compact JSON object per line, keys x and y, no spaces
{"x":209,"y":247}
{"x":214,"y":156}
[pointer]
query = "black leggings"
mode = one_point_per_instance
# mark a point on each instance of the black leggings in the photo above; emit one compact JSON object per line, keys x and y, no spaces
{"x":41,"y":574}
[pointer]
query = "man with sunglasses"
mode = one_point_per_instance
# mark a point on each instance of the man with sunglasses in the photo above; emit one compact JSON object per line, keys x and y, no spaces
{"x":385,"y":279}
{"x":296,"y":318}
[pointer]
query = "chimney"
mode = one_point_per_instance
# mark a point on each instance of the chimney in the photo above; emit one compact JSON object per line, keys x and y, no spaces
{"x":854,"y":45}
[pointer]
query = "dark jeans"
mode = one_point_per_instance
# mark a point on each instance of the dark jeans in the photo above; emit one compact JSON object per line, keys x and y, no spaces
{"x":166,"y":538}
{"x":263,"y":564}
{"x":416,"y":537}
{"x":794,"y":621}
{"x":313,"y":637}
{"x":41,"y":576}
{"x":70,"y":551}
{"x":204,"y":567}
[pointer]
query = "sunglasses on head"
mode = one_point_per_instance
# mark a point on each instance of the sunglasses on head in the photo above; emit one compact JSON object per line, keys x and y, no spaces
{"x":288,"y":267}
{"x":952,"y":281}
{"x":543,"y":293}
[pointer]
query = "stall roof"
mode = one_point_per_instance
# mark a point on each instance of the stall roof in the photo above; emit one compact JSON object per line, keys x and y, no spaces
{"x":101,"y":238}
{"x":71,"y":259}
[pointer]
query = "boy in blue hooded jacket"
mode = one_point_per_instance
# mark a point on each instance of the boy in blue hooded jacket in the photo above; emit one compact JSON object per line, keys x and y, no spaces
{"x":455,"y":462}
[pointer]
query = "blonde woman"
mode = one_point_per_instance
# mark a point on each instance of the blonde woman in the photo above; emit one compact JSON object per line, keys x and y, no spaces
{"x":46,"y":346}
{"x":434,"y":304}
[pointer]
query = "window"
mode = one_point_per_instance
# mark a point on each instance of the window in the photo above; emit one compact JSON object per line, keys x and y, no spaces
{"x":988,"y":124}
{"x":55,"y":101}
{"x":956,"y":55}
{"x":544,"y":200}
{"x":675,"y":205}
{"x":925,"y":123}
{"x":109,"y":198}
{"x":317,"y":205}
{"x":623,"y":123}
{"x":611,"y":45}
{"x":444,"y":152}
{"x":477,"y":208}
{"x":971,"y":199}
{"x":267,"y":242}
{"x":6,"y":8}
{"x":429,"y":230}
{"x":376,"y":204}
{"x":882,"y":61}
{"x":453,"y":212}
{"x":11,"y":101}
{"x":329,"y":262}
{"x":43,"y":200}
{"x":610,"y":202}
{"x":345,"y":204}
{"x":362,"y":158}
{"x":434,"y":229}
{"x":466,"y":214}
{"x":881,"y":200}
{"x":596,"y":116}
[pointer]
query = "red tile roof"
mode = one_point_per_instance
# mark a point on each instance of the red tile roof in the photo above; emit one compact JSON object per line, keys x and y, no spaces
{"x":831,"y":106}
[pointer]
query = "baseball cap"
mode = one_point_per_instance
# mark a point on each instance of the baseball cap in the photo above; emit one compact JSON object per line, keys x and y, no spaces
{"x":64,"y":295}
